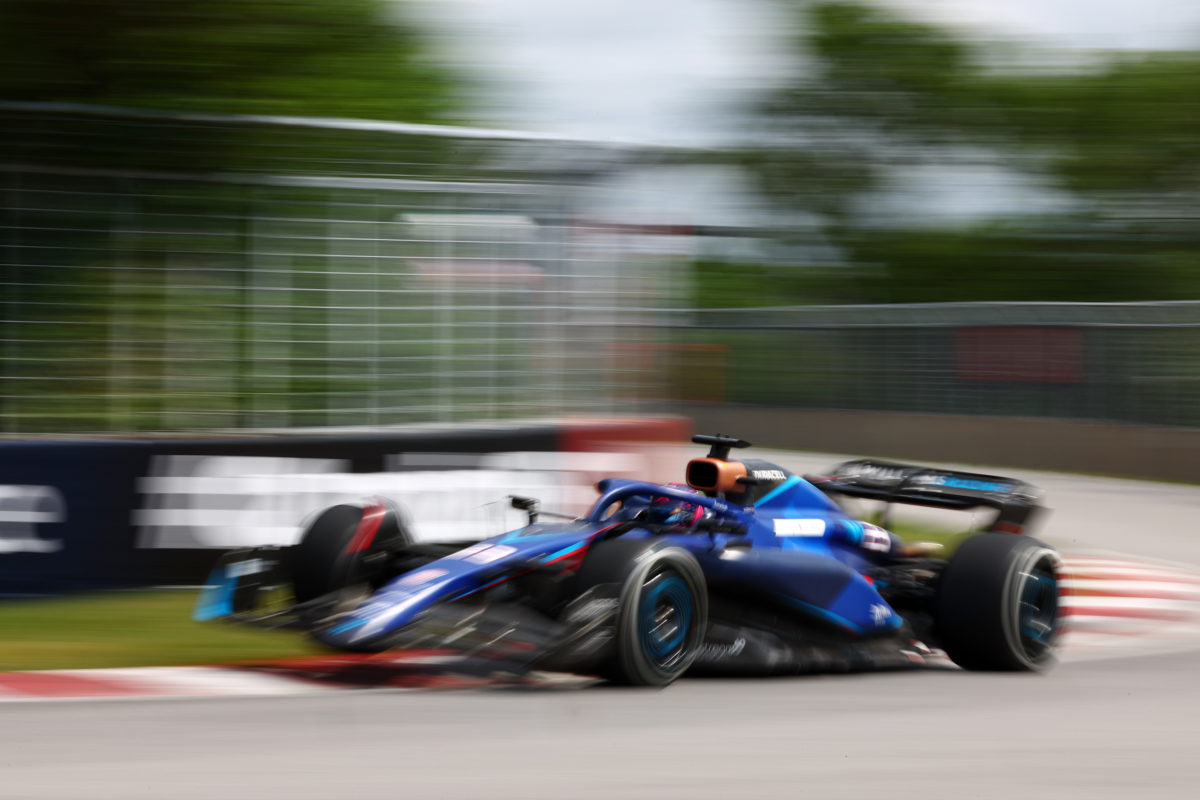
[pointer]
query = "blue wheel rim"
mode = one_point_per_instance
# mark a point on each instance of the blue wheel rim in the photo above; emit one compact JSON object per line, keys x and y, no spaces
{"x":665,"y":614}
{"x":1038,"y":611}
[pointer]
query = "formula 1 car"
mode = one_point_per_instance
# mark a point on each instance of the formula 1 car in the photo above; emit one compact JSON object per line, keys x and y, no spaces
{"x":745,"y":569}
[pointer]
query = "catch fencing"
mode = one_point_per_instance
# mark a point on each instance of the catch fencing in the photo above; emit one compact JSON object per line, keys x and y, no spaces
{"x":1123,"y":362}
{"x":191,"y":272}
{"x":186,"y":272}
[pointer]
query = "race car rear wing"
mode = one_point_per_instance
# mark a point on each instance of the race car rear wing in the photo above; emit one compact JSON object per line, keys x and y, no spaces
{"x":1016,"y":502}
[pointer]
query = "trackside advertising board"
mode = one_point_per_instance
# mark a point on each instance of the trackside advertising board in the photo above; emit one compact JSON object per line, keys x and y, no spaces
{"x":105,"y":514}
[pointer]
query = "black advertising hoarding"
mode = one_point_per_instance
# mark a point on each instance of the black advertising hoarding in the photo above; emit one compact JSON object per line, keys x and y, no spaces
{"x":83,"y":515}
{"x":64,"y":514}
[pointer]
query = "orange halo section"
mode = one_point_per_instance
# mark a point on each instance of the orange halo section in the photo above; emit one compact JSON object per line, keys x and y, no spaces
{"x":715,"y":475}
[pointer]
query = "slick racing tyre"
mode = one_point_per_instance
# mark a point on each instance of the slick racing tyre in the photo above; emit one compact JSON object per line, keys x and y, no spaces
{"x":346,"y":546}
{"x":662,"y":611}
{"x":997,"y":604}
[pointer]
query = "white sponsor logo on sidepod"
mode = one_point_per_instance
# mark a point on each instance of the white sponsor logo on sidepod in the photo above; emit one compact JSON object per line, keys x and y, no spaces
{"x":799,"y":527}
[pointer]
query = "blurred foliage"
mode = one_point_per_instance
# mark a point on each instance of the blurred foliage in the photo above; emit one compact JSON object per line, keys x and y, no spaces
{"x":315,"y":58}
{"x":724,"y":284}
{"x":1125,"y":125}
{"x":350,"y":58}
{"x":873,"y":91}
{"x":104,"y":211}
{"x":1013,"y":263}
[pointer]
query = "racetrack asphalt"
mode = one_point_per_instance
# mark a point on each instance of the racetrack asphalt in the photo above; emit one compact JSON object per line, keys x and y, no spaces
{"x":1089,"y":729}
{"x":1102,"y":729}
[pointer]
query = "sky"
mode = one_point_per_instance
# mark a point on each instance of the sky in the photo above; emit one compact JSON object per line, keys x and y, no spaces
{"x":1126,"y":24}
{"x":664,"y":70}
{"x":671,"y":71}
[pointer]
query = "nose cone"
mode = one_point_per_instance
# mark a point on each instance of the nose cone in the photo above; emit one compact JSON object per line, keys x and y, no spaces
{"x":376,"y":624}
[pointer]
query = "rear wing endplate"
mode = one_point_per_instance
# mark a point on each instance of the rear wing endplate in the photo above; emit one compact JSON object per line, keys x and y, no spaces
{"x":1016,"y":502}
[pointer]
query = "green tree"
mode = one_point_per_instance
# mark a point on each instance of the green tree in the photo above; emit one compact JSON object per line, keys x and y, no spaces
{"x":874,"y":90}
{"x":350,"y":58}
{"x":102,"y":212}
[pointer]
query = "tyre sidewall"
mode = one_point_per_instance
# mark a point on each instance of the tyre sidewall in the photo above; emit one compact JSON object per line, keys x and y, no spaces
{"x":320,"y":561}
{"x":1025,"y":560}
{"x":979,"y":599}
{"x":633,"y":665}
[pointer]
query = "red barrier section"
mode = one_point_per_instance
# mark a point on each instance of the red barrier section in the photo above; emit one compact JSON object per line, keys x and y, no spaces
{"x":604,"y":434}
{"x":64,"y":685}
{"x":656,"y":440}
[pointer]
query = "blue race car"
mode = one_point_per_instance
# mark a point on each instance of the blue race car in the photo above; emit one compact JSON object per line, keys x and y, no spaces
{"x":744,"y":569}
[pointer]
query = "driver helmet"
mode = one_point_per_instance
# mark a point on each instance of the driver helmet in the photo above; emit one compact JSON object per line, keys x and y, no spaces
{"x":671,"y":511}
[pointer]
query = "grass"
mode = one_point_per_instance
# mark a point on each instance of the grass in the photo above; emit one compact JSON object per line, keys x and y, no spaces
{"x":129,"y":629}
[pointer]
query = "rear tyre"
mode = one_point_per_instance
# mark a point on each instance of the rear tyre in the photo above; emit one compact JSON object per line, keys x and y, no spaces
{"x":662,"y":611}
{"x":346,"y":546}
{"x":997,"y":605}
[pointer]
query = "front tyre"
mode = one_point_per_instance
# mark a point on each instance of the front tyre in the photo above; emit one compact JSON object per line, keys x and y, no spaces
{"x":662,"y":611}
{"x":346,"y":546}
{"x":997,"y":605}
